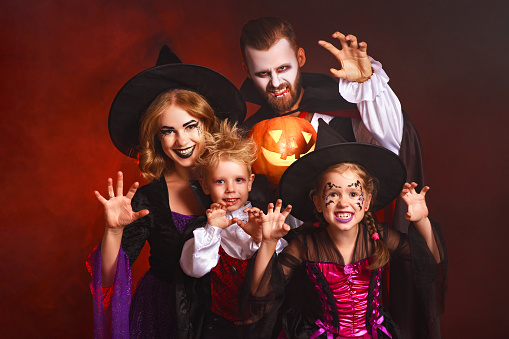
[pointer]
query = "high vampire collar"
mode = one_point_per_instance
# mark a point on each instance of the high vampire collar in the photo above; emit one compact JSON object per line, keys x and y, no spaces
{"x":320,"y":94}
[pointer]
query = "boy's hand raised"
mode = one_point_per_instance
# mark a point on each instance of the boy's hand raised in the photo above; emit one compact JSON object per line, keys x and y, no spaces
{"x":216,"y":216}
{"x":253,"y":226}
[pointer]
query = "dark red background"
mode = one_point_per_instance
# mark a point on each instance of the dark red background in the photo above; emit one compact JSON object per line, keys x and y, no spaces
{"x":62,"y":63}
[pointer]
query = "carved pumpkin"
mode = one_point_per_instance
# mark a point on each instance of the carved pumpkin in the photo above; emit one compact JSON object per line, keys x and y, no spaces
{"x":280,"y":142}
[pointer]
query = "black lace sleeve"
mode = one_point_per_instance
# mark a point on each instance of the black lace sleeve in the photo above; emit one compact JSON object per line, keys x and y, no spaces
{"x":136,"y":234}
{"x":430,"y":276}
{"x":418,"y":282}
{"x":192,"y":295}
{"x":262,"y":308}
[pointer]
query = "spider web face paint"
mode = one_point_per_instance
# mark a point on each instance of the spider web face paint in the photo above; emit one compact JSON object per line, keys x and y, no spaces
{"x":361,"y":198}
{"x":181,"y":140}
{"x":343,"y":197}
{"x":328,"y":186}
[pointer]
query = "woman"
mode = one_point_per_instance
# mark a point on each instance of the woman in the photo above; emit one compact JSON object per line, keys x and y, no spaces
{"x":167,"y":140}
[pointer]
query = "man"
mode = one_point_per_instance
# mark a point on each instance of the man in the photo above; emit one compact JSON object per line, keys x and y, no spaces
{"x":365,"y":110}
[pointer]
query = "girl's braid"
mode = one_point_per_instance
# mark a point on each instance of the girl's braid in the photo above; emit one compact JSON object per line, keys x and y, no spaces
{"x":381,"y":255}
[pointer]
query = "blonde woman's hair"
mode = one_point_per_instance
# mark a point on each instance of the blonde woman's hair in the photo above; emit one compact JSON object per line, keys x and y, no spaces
{"x":153,"y":162}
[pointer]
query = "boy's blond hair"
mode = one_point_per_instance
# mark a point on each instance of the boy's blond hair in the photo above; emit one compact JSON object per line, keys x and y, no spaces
{"x":227,"y":144}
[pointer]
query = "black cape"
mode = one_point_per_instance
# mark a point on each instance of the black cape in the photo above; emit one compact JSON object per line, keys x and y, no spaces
{"x":321,"y":96}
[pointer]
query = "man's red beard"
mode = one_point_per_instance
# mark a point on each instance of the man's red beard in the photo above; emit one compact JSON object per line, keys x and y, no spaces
{"x":287,"y":99}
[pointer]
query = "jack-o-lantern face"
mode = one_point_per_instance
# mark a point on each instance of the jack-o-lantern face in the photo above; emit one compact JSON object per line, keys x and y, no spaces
{"x":280,"y":142}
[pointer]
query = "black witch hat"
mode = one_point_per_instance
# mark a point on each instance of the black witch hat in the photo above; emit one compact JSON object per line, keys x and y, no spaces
{"x":138,"y":93}
{"x":382,"y":164}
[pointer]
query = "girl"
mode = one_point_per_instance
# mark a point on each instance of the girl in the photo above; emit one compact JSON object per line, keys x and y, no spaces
{"x":342,"y":256}
{"x":171,"y":130}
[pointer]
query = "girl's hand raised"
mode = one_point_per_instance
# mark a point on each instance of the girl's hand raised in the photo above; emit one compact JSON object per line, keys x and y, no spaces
{"x":273,"y":223}
{"x":117,"y":209}
{"x":418,"y":214}
{"x":273,"y":229}
{"x":417,"y":208}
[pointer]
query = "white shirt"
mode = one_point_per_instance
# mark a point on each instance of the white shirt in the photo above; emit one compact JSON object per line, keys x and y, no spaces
{"x":201,"y":253}
{"x":381,"y":120}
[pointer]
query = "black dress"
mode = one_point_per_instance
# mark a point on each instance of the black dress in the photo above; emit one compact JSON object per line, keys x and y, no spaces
{"x":296,"y":286}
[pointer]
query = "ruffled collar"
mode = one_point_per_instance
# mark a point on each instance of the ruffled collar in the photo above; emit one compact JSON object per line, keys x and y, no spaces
{"x":240,"y":214}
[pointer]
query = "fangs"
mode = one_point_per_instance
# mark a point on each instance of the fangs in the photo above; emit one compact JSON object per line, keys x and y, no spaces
{"x":280,"y":93}
{"x":186,"y":152}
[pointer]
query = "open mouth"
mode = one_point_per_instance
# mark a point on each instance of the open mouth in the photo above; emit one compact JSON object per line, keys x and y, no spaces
{"x":185,"y":153}
{"x":279,"y":93}
{"x":342,"y":216}
{"x":231,"y":201}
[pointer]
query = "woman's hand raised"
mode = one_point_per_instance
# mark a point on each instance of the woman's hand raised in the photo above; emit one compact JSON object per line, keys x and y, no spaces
{"x":117,"y":209}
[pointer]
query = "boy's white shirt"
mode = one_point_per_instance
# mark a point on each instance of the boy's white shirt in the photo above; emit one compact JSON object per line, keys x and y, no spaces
{"x":201,"y":253}
{"x":381,"y":120}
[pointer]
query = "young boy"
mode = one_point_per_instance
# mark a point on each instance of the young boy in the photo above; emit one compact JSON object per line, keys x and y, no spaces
{"x":224,"y":246}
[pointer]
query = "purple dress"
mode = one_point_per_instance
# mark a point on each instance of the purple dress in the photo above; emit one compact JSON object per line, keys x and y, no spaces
{"x":152,"y":312}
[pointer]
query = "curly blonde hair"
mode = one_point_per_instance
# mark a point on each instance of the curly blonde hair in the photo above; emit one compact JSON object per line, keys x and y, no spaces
{"x":153,"y":162}
{"x":381,"y":255}
{"x":226,"y":144}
